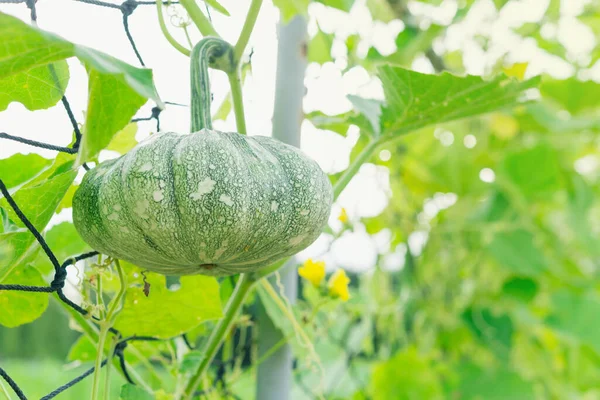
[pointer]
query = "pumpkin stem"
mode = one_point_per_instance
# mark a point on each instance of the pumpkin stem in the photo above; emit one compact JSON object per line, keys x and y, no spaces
{"x":209,"y":52}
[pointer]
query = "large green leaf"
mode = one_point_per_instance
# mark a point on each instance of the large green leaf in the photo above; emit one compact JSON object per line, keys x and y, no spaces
{"x":110,"y":108}
{"x":166,"y":313}
{"x":492,"y":384}
{"x":415,"y":100}
{"x":132,"y":392}
{"x":407,"y":376}
{"x":26,"y":46}
{"x":116,"y":89}
{"x":576,"y":314}
{"x":19,"y":168}
{"x":20,"y":308}
{"x":124,"y":140}
{"x":38,"y":200}
{"x":38,"y":88}
{"x":496,"y":331}
{"x":535,"y":171}
{"x":516,"y":251}
{"x":573,"y":95}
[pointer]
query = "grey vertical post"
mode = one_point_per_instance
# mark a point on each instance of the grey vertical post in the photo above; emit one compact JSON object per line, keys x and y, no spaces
{"x":274,"y":378}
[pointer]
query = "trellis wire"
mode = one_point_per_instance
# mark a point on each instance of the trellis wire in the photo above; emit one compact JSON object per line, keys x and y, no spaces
{"x":60,"y":270}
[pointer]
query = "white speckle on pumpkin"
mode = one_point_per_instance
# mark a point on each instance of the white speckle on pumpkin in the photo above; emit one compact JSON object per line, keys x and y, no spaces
{"x":158,"y":195}
{"x":146,"y":167}
{"x":124,"y":229}
{"x":296,"y":240}
{"x":274,"y":206}
{"x":117,"y":207}
{"x":304,"y":212}
{"x":212,"y":166}
{"x":204,"y":187}
{"x":226,"y":199}
{"x":140,"y":208}
{"x":113,"y":217}
{"x":161,"y":184}
{"x":219,"y":252}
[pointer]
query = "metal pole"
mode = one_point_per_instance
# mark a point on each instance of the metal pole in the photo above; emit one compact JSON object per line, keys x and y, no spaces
{"x":274,"y":378}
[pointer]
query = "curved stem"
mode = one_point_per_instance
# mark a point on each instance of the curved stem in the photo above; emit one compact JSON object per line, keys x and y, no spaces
{"x":354,"y":167}
{"x":242,"y":288}
{"x":237,"y":99}
{"x":247,"y":29}
{"x":218,"y":54}
{"x":165,"y":30}
{"x":98,"y":363}
{"x":108,"y":369}
{"x":203,"y":24}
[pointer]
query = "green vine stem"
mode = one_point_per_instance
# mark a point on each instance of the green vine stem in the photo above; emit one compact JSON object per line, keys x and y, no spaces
{"x":237,"y":99}
{"x":242,"y":42}
{"x":200,"y":20}
{"x":354,"y":167}
{"x":219,"y":55}
{"x":114,"y":307}
{"x":234,"y":305}
{"x":165,"y":30}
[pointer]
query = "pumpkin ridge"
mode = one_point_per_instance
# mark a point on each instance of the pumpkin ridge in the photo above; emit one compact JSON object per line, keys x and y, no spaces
{"x":127,"y":203}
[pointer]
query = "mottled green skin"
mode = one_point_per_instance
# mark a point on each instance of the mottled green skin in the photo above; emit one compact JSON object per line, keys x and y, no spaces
{"x":210,"y":203}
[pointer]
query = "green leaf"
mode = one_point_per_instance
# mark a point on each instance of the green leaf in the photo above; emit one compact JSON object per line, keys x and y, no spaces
{"x":496,"y":331}
{"x":110,"y":108}
{"x":166,"y":313}
{"x":38,"y":200}
{"x":20,"y":168}
{"x":573,"y":95}
{"x":25,"y":47}
{"x":415,"y":100}
{"x":37,"y":88}
{"x":492,"y":384}
{"x":371,"y":109}
{"x":124,"y":140}
{"x":576,"y":314}
{"x":521,"y":289}
{"x":516,"y":251}
{"x":319,"y":47}
{"x":29,"y":47}
{"x":133,"y":392}
{"x":407,"y":376}
{"x":82,"y":350}
{"x":534,"y":171}
{"x":20,"y":308}
{"x":217,"y":6}
{"x":65,"y":242}
{"x":139,"y":79}
{"x":336,"y":123}
{"x":116,"y":89}
{"x":291,"y":8}
{"x":344,"y":5}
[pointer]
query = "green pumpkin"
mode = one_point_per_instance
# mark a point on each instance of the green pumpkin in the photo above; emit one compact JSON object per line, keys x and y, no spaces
{"x":209,"y":202}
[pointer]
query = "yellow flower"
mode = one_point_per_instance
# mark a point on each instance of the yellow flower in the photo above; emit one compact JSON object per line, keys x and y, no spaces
{"x":338,"y":285}
{"x":516,"y":70}
{"x":313,"y":271}
{"x":343,"y":218}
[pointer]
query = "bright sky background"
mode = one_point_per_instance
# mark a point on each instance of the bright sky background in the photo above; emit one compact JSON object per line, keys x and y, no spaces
{"x":101,"y":28}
